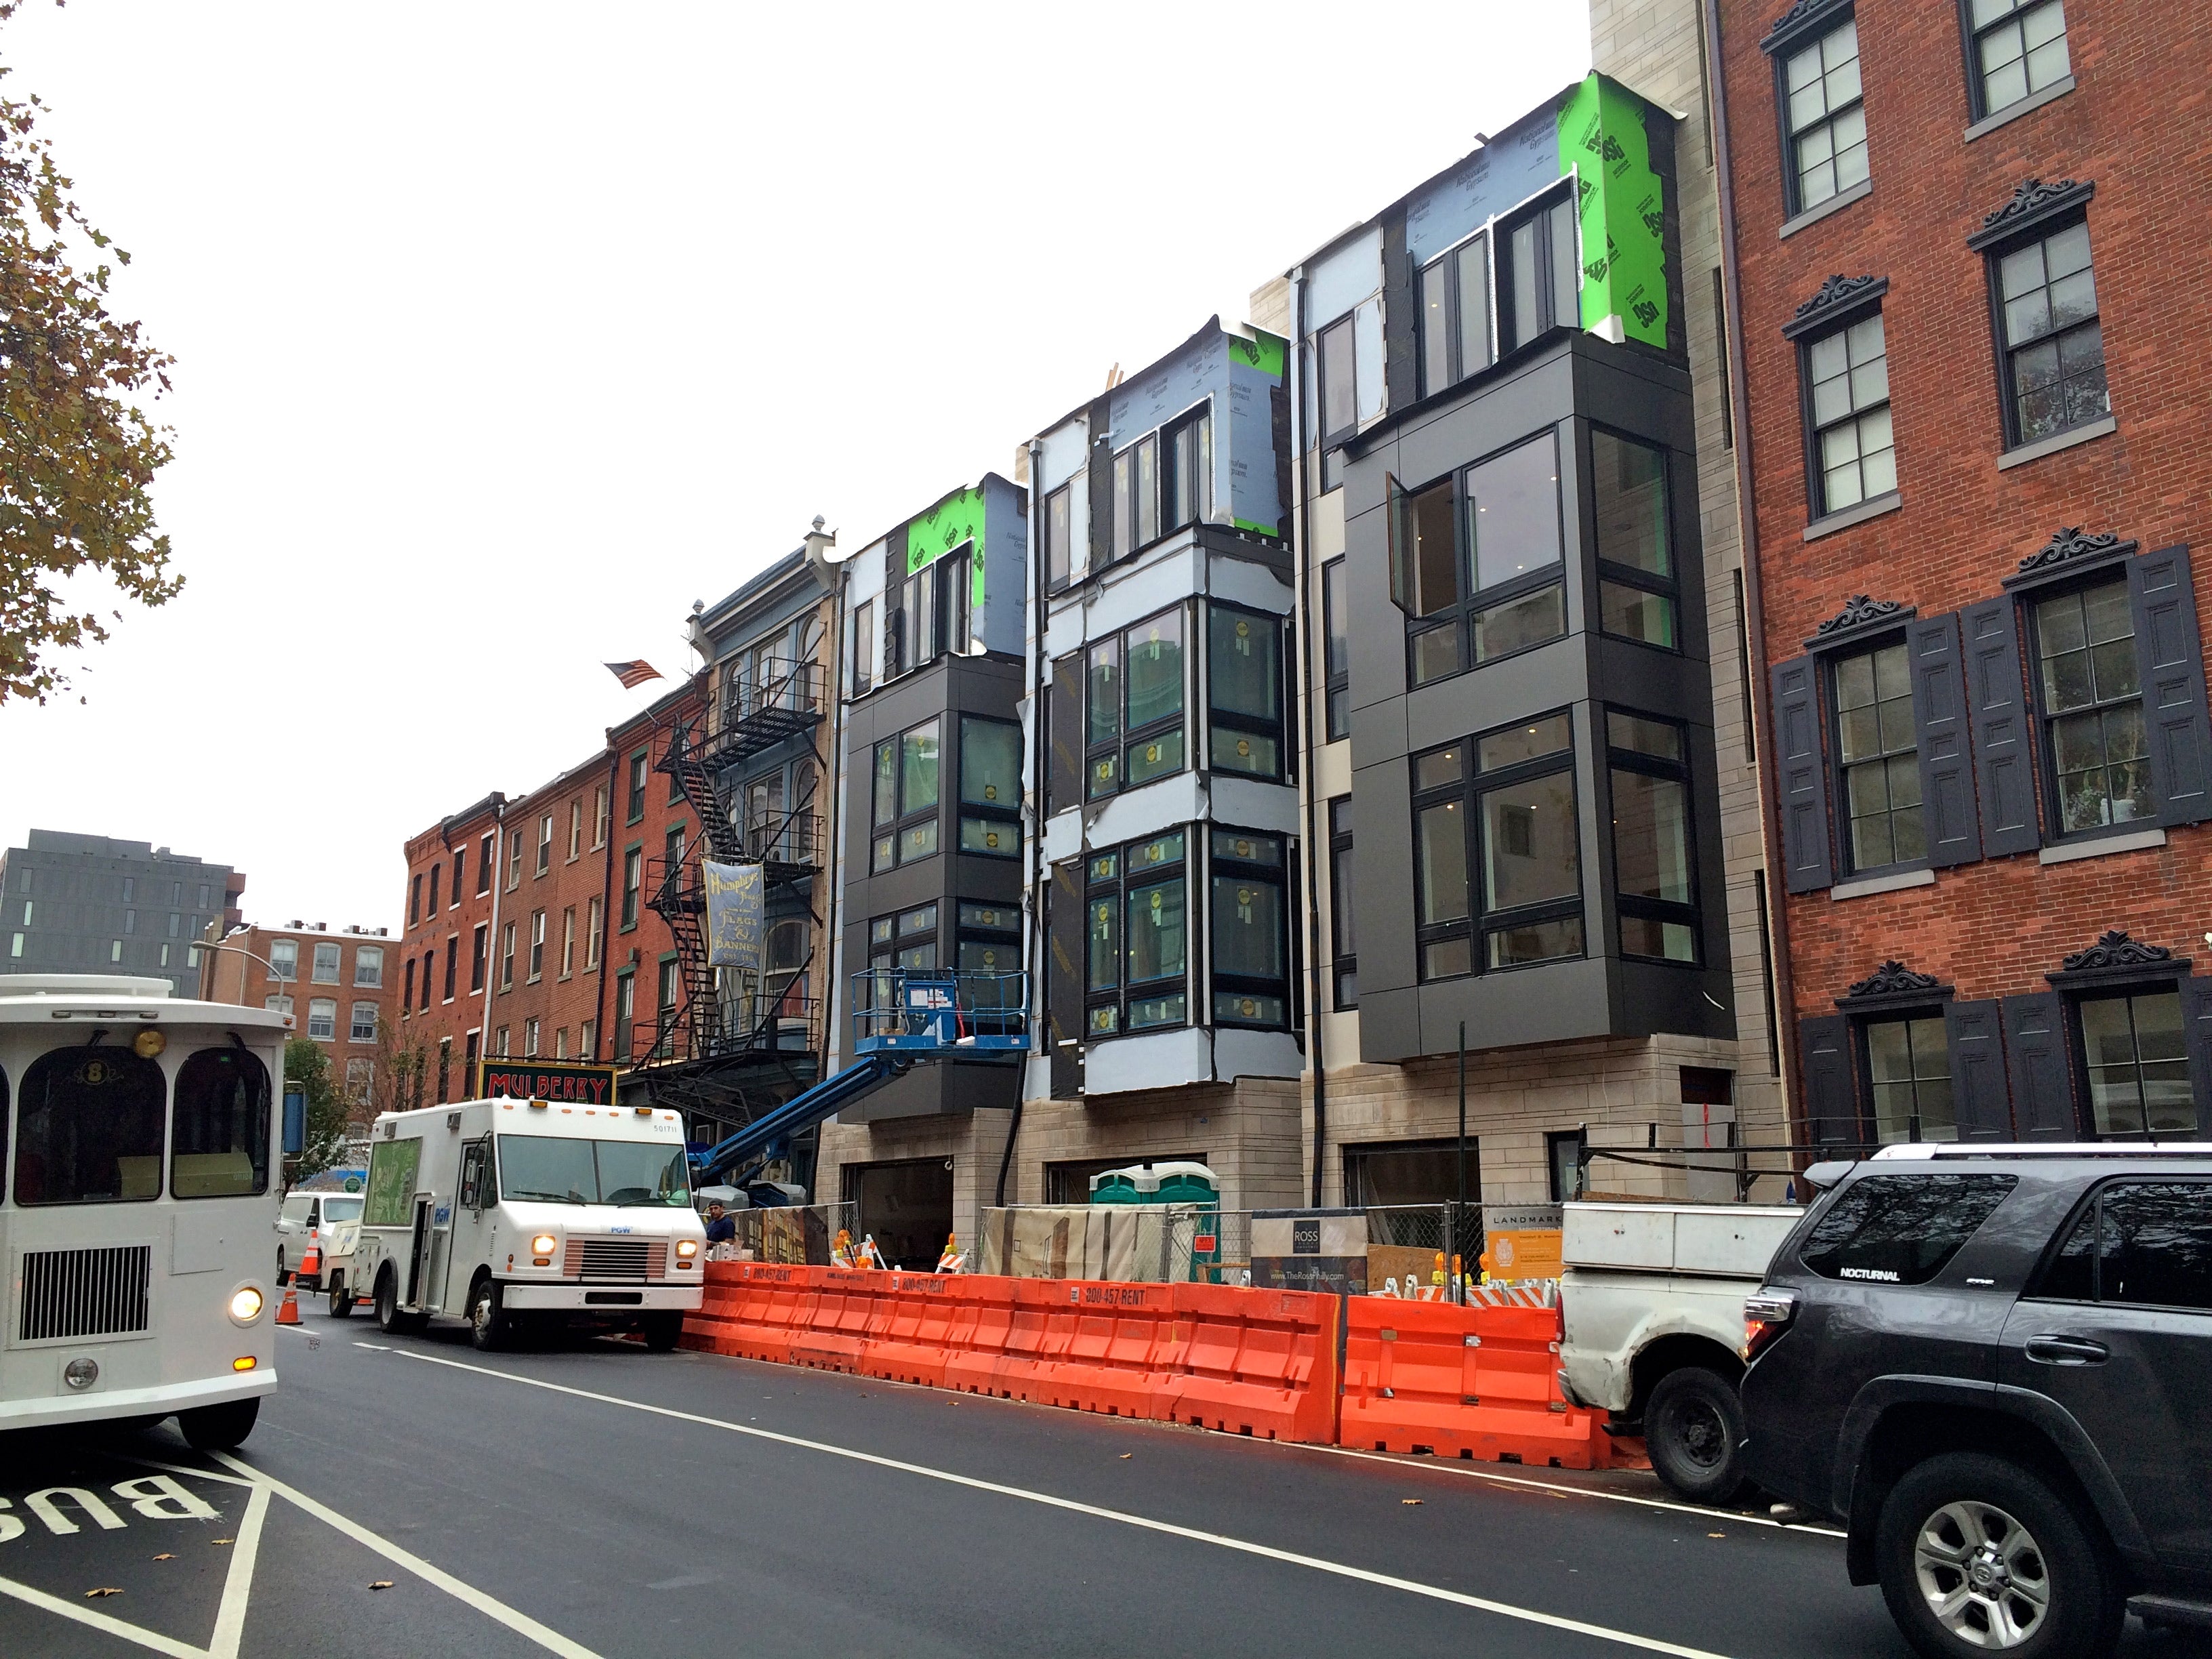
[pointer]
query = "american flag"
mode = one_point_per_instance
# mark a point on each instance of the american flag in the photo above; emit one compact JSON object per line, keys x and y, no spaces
{"x":634,"y":674}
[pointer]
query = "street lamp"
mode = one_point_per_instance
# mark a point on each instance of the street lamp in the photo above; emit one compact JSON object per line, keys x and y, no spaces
{"x":241,"y":951}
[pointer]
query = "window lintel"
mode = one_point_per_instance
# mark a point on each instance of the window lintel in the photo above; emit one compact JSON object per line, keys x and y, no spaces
{"x":2034,"y":207}
{"x":1803,"y":19}
{"x":2070,"y":553}
{"x":1861,"y":619}
{"x":1841,"y":300}
{"x":2118,"y":960}
{"x":1893,"y":986}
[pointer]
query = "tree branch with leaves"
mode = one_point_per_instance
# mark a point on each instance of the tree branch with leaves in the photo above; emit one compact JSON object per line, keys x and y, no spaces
{"x":78,"y":450}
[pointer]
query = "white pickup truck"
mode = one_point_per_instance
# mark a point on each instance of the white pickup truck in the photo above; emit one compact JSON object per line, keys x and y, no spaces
{"x":1653,"y":1299}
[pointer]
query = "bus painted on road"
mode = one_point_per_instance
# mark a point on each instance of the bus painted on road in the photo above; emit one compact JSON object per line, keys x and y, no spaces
{"x":139,"y":1167}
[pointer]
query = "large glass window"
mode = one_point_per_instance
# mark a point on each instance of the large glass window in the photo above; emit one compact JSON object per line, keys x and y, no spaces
{"x":2019,"y":48}
{"x":88,"y":1128}
{"x":2097,"y":752}
{"x":1538,"y":273}
{"x":1336,"y":629}
{"x":1878,"y":748}
{"x":1340,"y":392}
{"x":1245,"y":677}
{"x":989,"y":939}
{"x":1455,"y":314}
{"x":1653,"y":849}
{"x":1059,"y":530}
{"x":2054,"y":354}
{"x":1909,"y":1075}
{"x":220,"y":1143}
{"x":1484,"y":580}
{"x":1250,"y":941}
{"x":1497,"y":851}
{"x":990,"y":786}
{"x":1136,"y":705}
{"x":1137,"y":937}
{"x":1824,"y":117}
{"x":1855,"y":456}
{"x":2138,"y":1071}
{"x":1162,"y":482}
{"x":904,"y":797}
{"x":1637,"y":583}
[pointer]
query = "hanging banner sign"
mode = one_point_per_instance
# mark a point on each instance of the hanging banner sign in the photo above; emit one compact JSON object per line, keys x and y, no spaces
{"x":734,"y":893}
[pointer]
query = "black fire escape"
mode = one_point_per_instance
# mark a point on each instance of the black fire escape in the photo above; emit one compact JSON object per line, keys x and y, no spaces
{"x":730,"y":1057}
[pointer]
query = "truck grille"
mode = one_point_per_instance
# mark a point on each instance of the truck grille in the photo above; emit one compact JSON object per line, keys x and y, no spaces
{"x":91,"y":1292}
{"x":615,"y":1258}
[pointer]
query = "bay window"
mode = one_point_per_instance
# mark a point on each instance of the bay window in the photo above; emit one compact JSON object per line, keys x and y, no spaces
{"x":1163,"y":482}
{"x":1134,"y":726}
{"x":903,"y":796}
{"x":1653,"y":850}
{"x":1478,"y":563}
{"x":1636,"y":581}
{"x":1251,"y":942}
{"x":1244,"y":679}
{"x":1137,"y":937}
{"x":990,"y":786}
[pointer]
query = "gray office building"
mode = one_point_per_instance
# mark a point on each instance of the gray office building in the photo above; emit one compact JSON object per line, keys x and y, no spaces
{"x":87,"y":904}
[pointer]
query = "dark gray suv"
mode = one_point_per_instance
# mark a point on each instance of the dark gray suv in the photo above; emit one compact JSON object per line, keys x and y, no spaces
{"x":1994,"y":1364}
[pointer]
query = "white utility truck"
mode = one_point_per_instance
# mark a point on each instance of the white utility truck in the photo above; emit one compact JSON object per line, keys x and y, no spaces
{"x":1652,"y":1296}
{"x":530,"y":1213}
{"x":136,"y":1162}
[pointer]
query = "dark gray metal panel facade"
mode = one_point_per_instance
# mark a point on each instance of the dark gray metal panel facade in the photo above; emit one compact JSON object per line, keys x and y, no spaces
{"x":1566,"y":386}
{"x":79,"y":912}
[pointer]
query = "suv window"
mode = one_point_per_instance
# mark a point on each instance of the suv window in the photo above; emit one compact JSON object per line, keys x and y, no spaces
{"x":2146,"y":1242}
{"x":1901,"y":1229}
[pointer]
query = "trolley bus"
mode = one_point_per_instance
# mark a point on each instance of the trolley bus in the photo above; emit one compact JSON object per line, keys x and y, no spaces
{"x":138,"y":1177}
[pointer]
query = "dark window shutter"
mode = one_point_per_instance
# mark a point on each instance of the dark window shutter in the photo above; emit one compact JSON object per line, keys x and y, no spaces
{"x":1064,"y":735}
{"x":1064,"y":978}
{"x":1832,"y":1103}
{"x":2042,"y":1078}
{"x":2197,"y":1043}
{"x":1802,"y":777}
{"x":1100,"y":496}
{"x":2165,"y":604}
{"x":1978,"y":1071}
{"x":2004,"y":749}
{"x":1939,"y":712}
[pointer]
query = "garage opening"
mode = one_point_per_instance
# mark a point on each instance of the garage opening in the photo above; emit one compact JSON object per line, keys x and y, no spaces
{"x":906,"y":1206}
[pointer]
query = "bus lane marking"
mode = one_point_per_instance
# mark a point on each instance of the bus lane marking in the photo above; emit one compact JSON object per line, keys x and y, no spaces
{"x":1145,"y":1523}
{"x":521,"y":1623}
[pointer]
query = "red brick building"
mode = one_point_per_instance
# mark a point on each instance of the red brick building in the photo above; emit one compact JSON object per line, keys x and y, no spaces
{"x":1971,"y":448}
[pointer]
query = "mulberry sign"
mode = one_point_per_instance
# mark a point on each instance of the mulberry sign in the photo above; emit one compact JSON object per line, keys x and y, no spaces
{"x":538,"y":1079}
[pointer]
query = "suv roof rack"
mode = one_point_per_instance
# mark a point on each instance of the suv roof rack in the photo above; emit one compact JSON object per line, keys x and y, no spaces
{"x":1917,"y":1150}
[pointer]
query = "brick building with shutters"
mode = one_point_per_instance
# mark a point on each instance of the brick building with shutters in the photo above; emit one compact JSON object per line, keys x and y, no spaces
{"x":1971,"y":448}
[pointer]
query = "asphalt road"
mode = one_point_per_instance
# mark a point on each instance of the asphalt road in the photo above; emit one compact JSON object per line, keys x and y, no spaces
{"x":597,"y":1500}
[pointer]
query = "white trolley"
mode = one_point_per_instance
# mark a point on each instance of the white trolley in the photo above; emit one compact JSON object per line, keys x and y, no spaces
{"x":139,"y":1169}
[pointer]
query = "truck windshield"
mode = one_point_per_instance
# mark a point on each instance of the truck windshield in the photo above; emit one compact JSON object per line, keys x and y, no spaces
{"x":561,"y":1170}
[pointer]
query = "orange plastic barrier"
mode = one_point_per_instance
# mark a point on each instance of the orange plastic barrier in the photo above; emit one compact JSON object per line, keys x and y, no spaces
{"x":1255,"y":1362}
{"x":1465,"y":1382}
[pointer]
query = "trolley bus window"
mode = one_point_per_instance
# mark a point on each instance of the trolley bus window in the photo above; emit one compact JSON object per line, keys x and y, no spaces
{"x":4,"y":1134}
{"x":560,"y":1170}
{"x":220,"y":1148}
{"x":88,"y":1128}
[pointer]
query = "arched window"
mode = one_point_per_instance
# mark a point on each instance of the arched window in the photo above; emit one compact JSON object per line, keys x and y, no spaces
{"x":90,"y":1128}
{"x":221,"y":1145}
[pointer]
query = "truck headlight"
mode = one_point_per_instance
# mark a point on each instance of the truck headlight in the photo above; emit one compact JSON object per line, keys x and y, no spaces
{"x":542,"y":1245}
{"x":687,"y":1246}
{"x":246,"y":1305}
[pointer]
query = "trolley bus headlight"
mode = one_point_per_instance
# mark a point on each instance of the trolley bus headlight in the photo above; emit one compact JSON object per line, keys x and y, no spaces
{"x":542,"y":1245}
{"x":80,"y":1373}
{"x":687,"y":1246}
{"x":246,"y":1305}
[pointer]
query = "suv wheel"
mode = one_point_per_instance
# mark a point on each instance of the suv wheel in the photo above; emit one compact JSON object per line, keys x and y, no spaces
{"x":1694,"y":1431}
{"x":1977,"y":1555}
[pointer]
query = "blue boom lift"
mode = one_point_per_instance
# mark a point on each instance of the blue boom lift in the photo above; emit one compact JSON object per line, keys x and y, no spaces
{"x":900,"y":1016}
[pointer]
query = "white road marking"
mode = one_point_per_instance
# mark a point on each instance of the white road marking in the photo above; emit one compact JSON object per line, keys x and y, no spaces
{"x":237,"y":1588}
{"x":1443,"y":1468}
{"x":101,"y":1621}
{"x":375,"y":1348}
{"x":551,"y":1640}
{"x":1222,"y":1541}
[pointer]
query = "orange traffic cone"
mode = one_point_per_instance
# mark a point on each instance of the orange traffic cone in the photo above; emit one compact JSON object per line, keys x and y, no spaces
{"x":287,"y":1311}
{"x":311,"y":1265}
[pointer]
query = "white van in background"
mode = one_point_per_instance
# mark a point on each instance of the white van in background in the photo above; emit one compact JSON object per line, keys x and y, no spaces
{"x":530,"y":1213}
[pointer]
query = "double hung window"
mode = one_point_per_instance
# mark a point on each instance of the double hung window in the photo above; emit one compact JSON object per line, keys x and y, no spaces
{"x":325,"y":971}
{"x":1539,"y":274}
{"x":1654,"y":855}
{"x":1823,"y":118}
{"x":637,"y":766}
{"x":990,"y":787}
{"x":1137,"y":937}
{"x":323,"y":1018}
{"x":1336,"y":629}
{"x":1908,"y":1072}
{"x":1162,"y":482}
{"x":484,"y":861}
{"x":2136,"y":1068}
{"x":1456,"y":315}
{"x":2053,"y":361}
{"x":2018,"y":49}
{"x":1343,"y":931}
{"x":1250,"y":941}
{"x":904,"y":797}
{"x":1877,"y":751}
{"x":863,"y":647}
{"x":2096,"y":747}
{"x":1478,"y":563}
{"x":283,"y":958}
{"x":1847,"y":390}
{"x":1497,"y":854}
{"x":931,"y":615}
{"x":633,"y":884}
{"x":1135,"y":722}
{"x":1638,"y":586}
{"x":592,"y":933}
{"x":1244,"y":681}
{"x":545,"y":843}
{"x":536,"y":946}
{"x":507,"y":957}
{"x":514,"y":864}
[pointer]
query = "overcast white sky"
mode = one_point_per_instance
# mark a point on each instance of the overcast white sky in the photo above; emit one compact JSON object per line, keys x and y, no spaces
{"x":505,"y":331}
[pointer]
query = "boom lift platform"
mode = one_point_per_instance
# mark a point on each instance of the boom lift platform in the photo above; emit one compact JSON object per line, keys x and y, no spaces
{"x":900,"y":1016}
